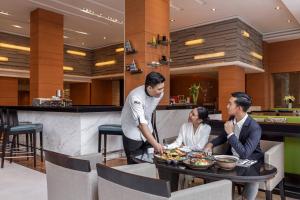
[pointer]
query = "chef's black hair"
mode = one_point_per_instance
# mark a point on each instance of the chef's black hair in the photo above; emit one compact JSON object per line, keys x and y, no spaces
{"x":153,"y":79}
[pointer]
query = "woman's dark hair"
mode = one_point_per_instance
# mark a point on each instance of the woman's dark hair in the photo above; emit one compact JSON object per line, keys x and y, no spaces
{"x":203,"y":114}
{"x":243,"y":100}
{"x":154,"y":78}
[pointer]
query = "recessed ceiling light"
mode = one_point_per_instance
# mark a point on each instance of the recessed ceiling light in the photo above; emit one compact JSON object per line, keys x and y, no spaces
{"x":104,"y":38}
{"x":213,"y":9}
{"x":17,"y":26}
{"x":82,"y":43}
{"x":4,"y":13}
{"x":81,"y":32}
{"x":100,"y":15}
{"x":201,"y":2}
{"x":277,"y":7}
{"x":289,"y":21}
{"x":176,"y":7}
{"x":66,"y":37}
{"x":172,"y":20}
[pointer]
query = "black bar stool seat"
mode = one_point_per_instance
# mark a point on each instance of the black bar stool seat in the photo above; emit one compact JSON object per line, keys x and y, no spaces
{"x":107,"y":129}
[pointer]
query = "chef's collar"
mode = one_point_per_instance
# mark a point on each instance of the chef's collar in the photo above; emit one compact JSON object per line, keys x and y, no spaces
{"x":147,"y":92}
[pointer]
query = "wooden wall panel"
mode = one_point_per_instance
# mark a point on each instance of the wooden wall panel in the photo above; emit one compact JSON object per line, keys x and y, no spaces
{"x":180,"y":85}
{"x":8,"y":91}
{"x":231,"y":79}
{"x":284,"y":56}
{"x":106,"y":54}
{"x":80,"y":93}
{"x":220,"y":36}
{"x":101,"y":92}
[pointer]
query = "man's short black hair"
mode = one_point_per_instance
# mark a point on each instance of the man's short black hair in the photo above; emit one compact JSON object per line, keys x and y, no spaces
{"x":153,"y":79}
{"x":243,"y":100}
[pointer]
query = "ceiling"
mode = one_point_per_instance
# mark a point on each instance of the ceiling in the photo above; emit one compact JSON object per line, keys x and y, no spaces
{"x":274,"y":24}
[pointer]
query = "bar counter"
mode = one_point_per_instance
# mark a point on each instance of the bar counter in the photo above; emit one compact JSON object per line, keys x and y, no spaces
{"x":74,"y":130}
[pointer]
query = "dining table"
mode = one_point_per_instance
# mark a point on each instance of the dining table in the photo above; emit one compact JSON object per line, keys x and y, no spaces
{"x":258,"y":172}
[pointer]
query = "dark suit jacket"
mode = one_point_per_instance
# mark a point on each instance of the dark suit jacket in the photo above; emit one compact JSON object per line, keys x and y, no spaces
{"x":248,"y":143}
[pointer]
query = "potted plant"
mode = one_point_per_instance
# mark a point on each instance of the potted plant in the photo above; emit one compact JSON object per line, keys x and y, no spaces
{"x":289,"y":99}
{"x":194,"y":92}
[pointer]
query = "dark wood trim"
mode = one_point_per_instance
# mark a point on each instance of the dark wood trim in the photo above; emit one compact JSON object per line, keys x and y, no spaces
{"x":144,"y":184}
{"x":67,"y":162}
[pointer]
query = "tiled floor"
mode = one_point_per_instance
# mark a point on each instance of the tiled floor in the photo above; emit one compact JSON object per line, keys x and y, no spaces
{"x":117,"y":162}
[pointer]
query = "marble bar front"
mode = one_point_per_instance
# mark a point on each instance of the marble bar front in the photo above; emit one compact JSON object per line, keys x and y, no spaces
{"x":74,"y":130}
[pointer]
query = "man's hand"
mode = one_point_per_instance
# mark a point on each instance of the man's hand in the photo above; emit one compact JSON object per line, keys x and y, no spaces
{"x":229,"y":127}
{"x":158,"y":148}
{"x":208,"y":147}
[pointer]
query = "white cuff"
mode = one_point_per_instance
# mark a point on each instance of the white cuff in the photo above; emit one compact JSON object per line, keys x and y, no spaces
{"x":228,"y":136}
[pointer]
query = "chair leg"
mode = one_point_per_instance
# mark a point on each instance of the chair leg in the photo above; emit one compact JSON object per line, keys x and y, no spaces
{"x":239,"y":187}
{"x":282,"y":192}
{"x":99,"y":142}
{"x":27,"y":145}
{"x":12,"y":145}
{"x":105,"y":142}
{"x":18,"y":141}
{"x":41,"y":146}
{"x":5,"y":141}
{"x":268,"y":195}
{"x":34,"y":150}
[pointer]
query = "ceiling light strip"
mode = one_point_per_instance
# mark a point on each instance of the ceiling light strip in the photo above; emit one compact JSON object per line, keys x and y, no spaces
{"x":68,"y":68}
{"x":12,"y":46}
{"x":119,"y":49}
{"x":209,"y":55}
{"x":110,"y":62}
{"x":77,"y":53}
{"x":3,"y":59}
{"x":194,"y":42}
{"x":256,"y":55}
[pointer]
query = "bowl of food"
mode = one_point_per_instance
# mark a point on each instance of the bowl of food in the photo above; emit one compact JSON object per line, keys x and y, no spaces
{"x":198,"y":163}
{"x":226,"y":162}
{"x":171,"y":156}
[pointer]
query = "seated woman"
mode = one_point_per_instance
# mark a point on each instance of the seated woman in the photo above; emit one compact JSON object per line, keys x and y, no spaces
{"x":193,"y":134}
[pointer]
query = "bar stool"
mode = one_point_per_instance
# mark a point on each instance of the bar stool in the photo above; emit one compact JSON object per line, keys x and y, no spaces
{"x":10,"y":127}
{"x":38,"y":129}
{"x":107,"y":129}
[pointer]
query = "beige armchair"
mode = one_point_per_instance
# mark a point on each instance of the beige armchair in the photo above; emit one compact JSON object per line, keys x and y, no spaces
{"x":71,"y":178}
{"x":274,"y":155}
{"x":135,"y":182}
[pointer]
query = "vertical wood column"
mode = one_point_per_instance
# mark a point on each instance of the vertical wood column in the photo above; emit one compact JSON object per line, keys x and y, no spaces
{"x":231,"y":79}
{"x":143,"y":20}
{"x":46,"y":53}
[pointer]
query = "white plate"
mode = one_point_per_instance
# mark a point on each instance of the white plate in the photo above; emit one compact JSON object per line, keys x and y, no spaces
{"x":185,"y":149}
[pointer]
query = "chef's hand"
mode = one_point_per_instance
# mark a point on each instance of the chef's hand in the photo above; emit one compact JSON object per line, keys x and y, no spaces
{"x":158,"y":148}
{"x":208,"y":147}
{"x":229,"y":127}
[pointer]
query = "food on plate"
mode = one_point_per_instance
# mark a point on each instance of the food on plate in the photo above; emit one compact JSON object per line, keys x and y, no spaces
{"x":198,"y":155}
{"x":200,"y":162}
{"x":173,"y":154}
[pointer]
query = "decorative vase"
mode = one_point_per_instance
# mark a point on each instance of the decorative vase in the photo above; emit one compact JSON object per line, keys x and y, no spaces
{"x":290,"y":105}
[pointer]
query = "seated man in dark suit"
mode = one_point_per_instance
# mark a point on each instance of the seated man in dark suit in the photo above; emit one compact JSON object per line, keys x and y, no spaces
{"x":243,"y":135}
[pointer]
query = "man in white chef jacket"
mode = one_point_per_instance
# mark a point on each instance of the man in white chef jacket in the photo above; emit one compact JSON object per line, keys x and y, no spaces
{"x":136,"y":116}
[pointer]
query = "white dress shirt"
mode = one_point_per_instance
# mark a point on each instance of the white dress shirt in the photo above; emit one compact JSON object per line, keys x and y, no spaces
{"x":195,"y":141}
{"x":237,"y":130}
{"x":137,"y":110}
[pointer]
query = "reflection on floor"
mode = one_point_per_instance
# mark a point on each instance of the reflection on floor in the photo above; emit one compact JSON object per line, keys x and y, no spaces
{"x":122,"y":161}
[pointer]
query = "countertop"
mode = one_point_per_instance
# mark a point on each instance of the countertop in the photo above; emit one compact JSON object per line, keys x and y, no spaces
{"x":96,"y":108}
